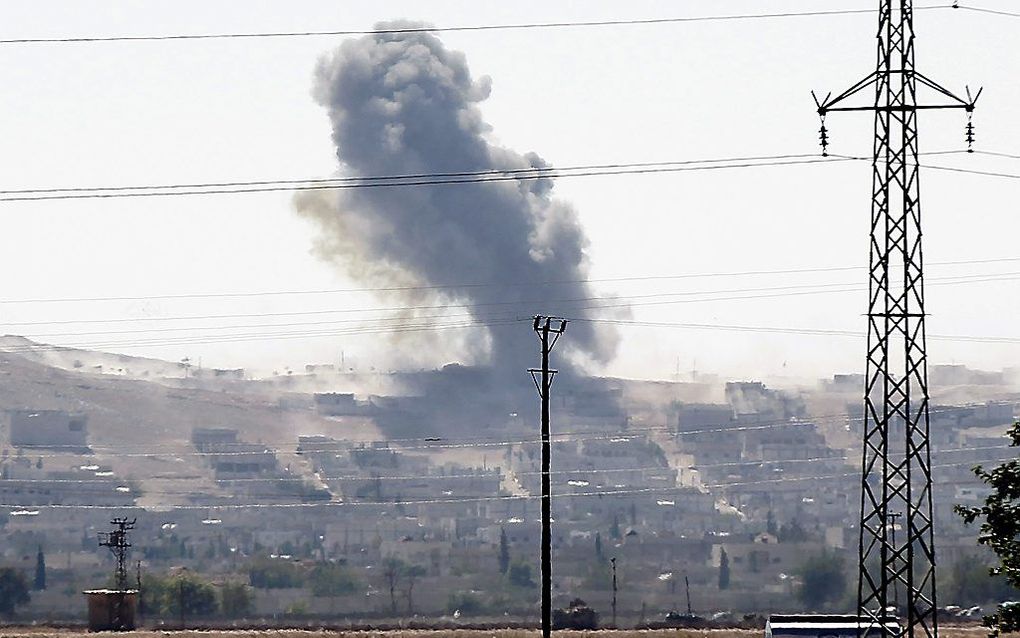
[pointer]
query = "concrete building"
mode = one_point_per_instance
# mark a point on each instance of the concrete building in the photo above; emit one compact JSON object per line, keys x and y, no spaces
{"x":47,"y":428}
{"x":111,"y":610}
{"x":341,"y":404}
{"x":210,"y":439}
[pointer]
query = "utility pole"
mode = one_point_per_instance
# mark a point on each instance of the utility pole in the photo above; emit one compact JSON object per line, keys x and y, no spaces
{"x":117,"y":542}
{"x":549,"y":330}
{"x":896,"y":473}
{"x":613,"y":561}
{"x":687,"y":586}
{"x":138,"y":585}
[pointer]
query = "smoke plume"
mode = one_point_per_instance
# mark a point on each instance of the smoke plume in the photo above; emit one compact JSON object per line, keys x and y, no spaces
{"x":403,"y":104}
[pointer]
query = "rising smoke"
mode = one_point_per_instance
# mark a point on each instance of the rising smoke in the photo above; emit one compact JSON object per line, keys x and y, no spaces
{"x":402,"y":104}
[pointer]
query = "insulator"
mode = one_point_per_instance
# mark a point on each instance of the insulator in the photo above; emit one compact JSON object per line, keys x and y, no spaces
{"x":823,"y":136}
{"x":970,"y":135}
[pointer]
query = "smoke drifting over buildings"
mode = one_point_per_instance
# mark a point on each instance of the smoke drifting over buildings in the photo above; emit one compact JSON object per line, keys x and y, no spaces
{"x":403,"y":104}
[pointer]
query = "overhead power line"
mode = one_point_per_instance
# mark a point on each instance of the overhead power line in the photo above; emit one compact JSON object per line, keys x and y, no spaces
{"x":507,"y":474}
{"x":441,"y":178}
{"x":151,"y":449}
{"x":492,"y":320}
{"x":998,"y":12}
{"x":784,"y":330}
{"x":440,"y":286}
{"x":396,"y":182}
{"x":398,"y":177}
{"x":399,"y":322}
{"x":500,"y":438}
{"x":448,"y":501}
{"x":483,"y":27}
{"x":451,"y":178}
{"x":972,"y":171}
{"x":504,"y":319}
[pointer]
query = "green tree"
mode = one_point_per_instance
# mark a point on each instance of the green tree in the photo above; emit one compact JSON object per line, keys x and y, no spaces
{"x":823,"y":579}
{"x":792,"y":532}
{"x":1000,"y":530}
{"x":186,"y":595}
{"x":13,"y":590}
{"x":393,"y":569}
{"x":40,"y":571}
{"x":268,"y":573}
{"x":967,"y":582}
{"x":467,"y":604}
{"x":724,"y":570}
{"x":330,"y":580}
{"x":152,"y":595}
{"x":411,"y":575}
{"x":504,"y":552}
{"x":520,"y":575}
{"x":236,"y":600}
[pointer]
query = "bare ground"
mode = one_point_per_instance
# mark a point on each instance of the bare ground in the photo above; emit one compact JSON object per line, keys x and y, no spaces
{"x":43,"y":632}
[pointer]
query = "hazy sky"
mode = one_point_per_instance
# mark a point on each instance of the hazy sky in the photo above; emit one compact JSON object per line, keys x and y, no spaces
{"x":126,"y":113}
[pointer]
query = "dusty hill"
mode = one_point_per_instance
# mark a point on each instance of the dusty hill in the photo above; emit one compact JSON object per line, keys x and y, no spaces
{"x":141,"y":428}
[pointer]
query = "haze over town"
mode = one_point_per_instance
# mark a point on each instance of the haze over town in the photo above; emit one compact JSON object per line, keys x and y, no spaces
{"x":272,"y":299}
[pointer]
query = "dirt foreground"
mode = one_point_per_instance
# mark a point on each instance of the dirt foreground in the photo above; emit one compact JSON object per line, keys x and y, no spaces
{"x":45,"y":632}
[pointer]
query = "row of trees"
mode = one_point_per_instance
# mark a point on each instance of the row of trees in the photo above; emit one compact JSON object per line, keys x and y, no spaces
{"x":13,"y":590}
{"x":185,"y":595}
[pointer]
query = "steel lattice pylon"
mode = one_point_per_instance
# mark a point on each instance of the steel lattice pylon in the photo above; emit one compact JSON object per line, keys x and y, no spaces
{"x":896,"y":478}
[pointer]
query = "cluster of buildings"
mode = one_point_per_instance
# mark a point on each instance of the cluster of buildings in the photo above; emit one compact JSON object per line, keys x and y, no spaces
{"x":750,"y":484}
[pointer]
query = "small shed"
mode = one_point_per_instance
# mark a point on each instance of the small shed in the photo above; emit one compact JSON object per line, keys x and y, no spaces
{"x":112,"y":609}
{"x":825,"y":626}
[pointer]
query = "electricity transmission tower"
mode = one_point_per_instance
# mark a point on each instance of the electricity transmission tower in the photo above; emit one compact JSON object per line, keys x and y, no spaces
{"x":897,"y":455}
{"x":549,"y":330}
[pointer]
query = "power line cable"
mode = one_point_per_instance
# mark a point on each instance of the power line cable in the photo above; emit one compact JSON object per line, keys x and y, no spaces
{"x":450,"y":501}
{"x":553,"y":174}
{"x":434,"y":443}
{"x":439,"y":179}
{"x":986,"y":10}
{"x":972,"y":171}
{"x":972,"y":278}
{"x":484,"y":27}
{"x":441,"y":286}
{"x":537,"y":170}
{"x":489,"y":323}
{"x":499,"y":439}
{"x":782,"y":330}
{"x":508,"y":473}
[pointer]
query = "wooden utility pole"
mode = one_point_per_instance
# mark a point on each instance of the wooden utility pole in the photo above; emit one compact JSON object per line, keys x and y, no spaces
{"x":613,"y":561}
{"x":549,"y":330}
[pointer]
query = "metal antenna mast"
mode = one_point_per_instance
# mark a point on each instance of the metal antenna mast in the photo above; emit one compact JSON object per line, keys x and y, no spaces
{"x":549,"y":330}
{"x":117,"y":541}
{"x":897,"y":456}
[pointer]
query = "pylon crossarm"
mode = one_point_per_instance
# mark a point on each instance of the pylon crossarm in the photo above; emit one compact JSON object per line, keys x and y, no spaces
{"x":968,"y":104}
{"x":898,"y":109}
{"x":827,"y":104}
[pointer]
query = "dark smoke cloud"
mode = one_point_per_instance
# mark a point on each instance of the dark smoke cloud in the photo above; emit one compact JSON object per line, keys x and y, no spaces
{"x":404,"y":104}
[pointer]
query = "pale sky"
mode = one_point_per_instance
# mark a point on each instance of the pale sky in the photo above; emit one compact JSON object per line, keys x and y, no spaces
{"x":127,"y":113}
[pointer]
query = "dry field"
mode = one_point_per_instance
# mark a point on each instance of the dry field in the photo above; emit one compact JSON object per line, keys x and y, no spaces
{"x":40,"y":632}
